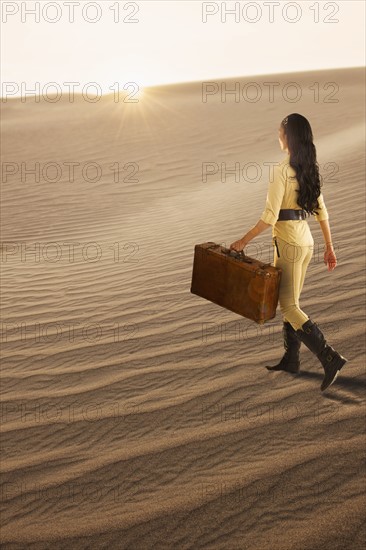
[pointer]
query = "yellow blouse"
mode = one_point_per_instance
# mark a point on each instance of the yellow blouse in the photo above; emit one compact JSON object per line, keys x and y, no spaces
{"x":282,"y":194}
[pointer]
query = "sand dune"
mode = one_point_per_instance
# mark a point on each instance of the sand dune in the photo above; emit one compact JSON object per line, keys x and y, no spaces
{"x":135,"y":414}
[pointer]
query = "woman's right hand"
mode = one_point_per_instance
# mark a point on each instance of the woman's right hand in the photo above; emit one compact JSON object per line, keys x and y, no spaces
{"x":330,"y":259}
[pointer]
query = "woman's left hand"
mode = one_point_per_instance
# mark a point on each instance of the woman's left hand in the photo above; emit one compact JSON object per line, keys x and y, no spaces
{"x":238,"y":245}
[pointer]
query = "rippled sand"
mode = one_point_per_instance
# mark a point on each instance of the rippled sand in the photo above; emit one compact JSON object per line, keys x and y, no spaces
{"x":134,"y":413}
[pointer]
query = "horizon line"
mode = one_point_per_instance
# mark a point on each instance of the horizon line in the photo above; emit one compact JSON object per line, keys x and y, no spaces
{"x":209,"y":79}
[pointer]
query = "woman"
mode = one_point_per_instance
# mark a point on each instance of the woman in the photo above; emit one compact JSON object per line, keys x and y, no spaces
{"x":293,"y":193}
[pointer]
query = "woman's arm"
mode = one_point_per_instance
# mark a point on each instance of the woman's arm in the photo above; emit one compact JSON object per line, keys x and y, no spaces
{"x":256,"y":230}
{"x":275,"y":193}
{"x":324,"y":224}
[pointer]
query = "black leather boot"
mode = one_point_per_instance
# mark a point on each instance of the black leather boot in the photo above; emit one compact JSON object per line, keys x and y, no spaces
{"x":331,"y":360}
{"x":290,"y":362}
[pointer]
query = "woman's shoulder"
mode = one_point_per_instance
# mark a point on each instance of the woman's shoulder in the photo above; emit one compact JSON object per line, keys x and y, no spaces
{"x":285,"y":167}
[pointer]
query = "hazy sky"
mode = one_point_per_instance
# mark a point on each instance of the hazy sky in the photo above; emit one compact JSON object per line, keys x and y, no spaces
{"x":170,"y":42}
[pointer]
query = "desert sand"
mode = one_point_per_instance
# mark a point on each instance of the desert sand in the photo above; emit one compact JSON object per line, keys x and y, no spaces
{"x":134,"y":413}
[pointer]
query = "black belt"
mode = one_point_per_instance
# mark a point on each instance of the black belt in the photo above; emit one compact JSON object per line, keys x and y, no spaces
{"x":291,"y":214}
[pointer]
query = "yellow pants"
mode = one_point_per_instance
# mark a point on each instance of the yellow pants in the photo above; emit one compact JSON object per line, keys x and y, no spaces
{"x":294,"y":260}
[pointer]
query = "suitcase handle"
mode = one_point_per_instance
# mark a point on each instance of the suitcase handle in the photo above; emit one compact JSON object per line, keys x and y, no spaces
{"x":240,"y":256}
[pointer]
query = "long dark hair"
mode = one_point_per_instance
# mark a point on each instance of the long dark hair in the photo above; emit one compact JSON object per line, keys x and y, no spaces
{"x":303,"y":160}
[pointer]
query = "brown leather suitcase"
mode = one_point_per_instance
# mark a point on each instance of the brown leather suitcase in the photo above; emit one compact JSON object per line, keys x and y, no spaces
{"x":236,"y":282}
